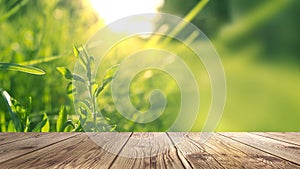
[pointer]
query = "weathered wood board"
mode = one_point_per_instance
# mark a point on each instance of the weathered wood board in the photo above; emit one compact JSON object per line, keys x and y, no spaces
{"x":149,"y":150}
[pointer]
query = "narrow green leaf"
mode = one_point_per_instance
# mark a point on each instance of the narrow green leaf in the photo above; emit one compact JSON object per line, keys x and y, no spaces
{"x":11,"y":127}
{"x":85,"y":110}
{"x":62,"y":117}
{"x":104,"y":84}
{"x":27,"y":126}
{"x":75,"y":51}
{"x":13,"y":115}
{"x":2,"y":121}
{"x":107,"y":81}
{"x":82,"y":59}
{"x":29,"y":106}
{"x":65,"y":72}
{"x":82,"y":115}
{"x":113,"y":127}
{"x":86,"y":55}
{"x":82,"y":62}
{"x":78,"y":127}
{"x":46,"y":127}
{"x":28,"y":111}
{"x":21,"y":68}
{"x":43,"y":60}
{"x":40,"y":125}
{"x":78,"y":78}
{"x":70,"y":88}
{"x":108,"y":77}
{"x":110,"y":72}
{"x":68,"y":126}
{"x":85,"y":103}
{"x":20,"y":111}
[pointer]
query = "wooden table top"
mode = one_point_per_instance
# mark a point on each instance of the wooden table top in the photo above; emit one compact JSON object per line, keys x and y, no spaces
{"x":149,"y":150}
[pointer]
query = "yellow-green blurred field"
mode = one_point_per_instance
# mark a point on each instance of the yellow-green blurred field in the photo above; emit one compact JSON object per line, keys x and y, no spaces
{"x":258,"y":43}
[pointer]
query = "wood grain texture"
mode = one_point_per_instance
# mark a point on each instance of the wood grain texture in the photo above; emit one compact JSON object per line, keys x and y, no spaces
{"x":149,"y":150}
{"x":6,"y":138}
{"x":22,"y":147}
{"x":195,"y":154}
{"x":77,"y":152}
{"x":164,"y":154}
{"x":293,"y":138}
{"x":136,"y":148}
{"x":278,"y":148}
{"x":241,"y":155}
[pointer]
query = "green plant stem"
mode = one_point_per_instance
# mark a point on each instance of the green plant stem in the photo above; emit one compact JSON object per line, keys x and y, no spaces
{"x":90,"y":86}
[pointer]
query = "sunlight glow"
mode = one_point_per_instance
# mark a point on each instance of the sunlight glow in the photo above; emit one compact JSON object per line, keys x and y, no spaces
{"x":112,"y":10}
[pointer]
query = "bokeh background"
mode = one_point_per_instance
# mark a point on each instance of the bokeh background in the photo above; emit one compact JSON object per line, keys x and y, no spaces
{"x":258,"y":42}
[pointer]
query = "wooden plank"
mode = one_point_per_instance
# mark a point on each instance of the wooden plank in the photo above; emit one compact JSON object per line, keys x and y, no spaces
{"x":135,"y":153}
{"x":233,"y":154}
{"x":149,"y":150}
{"x":145,"y":150}
{"x":281,"y":149}
{"x":111,"y":145}
{"x":22,"y":147}
{"x":290,"y":137}
{"x":6,"y":138}
{"x":164,"y":154}
{"x":77,"y":152}
{"x":47,"y":157}
{"x":194,"y":153}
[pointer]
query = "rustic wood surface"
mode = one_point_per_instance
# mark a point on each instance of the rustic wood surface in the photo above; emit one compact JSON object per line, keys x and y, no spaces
{"x":149,"y":150}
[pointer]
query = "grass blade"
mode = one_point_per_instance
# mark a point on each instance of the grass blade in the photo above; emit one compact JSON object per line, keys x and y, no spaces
{"x":39,"y":126}
{"x":13,"y":10}
{"x":21,"y":68}
{"x":13,"y":115}
{"x":46,"y":127}
{"x":43,"y":126}
{"x":11,"y":127}
{"x":68,"y":126}
{"x":65,"y":72}
{"x":62,"y":117}
{"x":2,"y":121}
{"x":108,"y":77}
{"x":42,"y":60}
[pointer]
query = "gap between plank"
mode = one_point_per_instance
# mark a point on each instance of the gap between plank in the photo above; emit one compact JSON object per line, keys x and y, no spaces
{"x":13,"y":158}
{"x":260,"y":149}
{"x":115,"y":158}
{"x":270,"y":137}
{"x":22,"y":138}
{"x":185,"y":163}
{"x":196,"y":144}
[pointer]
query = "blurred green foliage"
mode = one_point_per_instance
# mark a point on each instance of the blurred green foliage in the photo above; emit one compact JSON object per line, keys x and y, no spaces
{"x":215,"y":14}
{"x":257,"y":41}
{"x":42,"y":33}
